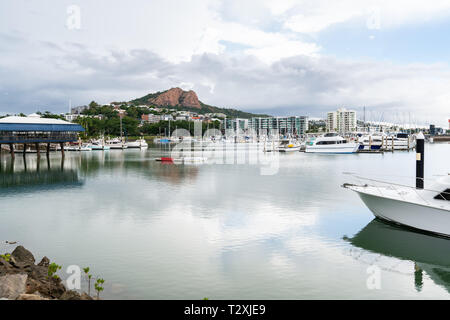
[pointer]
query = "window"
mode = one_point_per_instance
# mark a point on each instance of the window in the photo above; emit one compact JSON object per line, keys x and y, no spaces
{"x":444,"y":195}
{"x":325,"y":142}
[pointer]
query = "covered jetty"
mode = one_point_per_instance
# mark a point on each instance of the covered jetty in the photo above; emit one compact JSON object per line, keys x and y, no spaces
{"x":36,"y":130}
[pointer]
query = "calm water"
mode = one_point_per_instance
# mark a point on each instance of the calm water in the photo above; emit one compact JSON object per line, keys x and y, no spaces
{"x":165,"y":231}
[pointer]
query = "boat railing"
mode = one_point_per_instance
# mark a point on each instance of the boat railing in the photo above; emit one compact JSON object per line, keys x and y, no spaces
{"x":396,"y":187}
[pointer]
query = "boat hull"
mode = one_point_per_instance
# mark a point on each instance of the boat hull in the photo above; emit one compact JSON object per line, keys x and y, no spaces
{"x":292,"y":149}
{"x":421,"y":217}
{"x":333,"y":148}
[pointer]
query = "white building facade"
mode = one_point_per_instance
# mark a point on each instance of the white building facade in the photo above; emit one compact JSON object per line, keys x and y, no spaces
{"x":342,"y":120}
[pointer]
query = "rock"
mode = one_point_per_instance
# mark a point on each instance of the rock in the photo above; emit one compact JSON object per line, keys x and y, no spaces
{"x":176,"y":97}
{"x":85,"y":296}
{"x":52,"y":288}
{"x":38,"y":272}
{"x":21,"y":256}
{"x":70,"y":295}
{"x":190,"y":99}
{"x":26,"y":296}
{"x":45,"y":262}
{"x":12,"y":285}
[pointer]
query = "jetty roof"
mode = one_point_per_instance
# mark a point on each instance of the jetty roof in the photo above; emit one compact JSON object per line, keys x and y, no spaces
{"x":35,"y":123}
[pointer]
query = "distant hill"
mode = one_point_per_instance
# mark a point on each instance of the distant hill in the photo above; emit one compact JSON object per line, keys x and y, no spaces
{"x":179,"y":99}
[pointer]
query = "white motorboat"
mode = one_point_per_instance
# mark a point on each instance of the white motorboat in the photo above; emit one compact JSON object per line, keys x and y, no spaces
{"x":371,"y":142}
{"x":98,"y":145}
{"x":140,"y":143}
{"x":332,"y":143}
{"x":116,"y":143}
{"x":288,"y":145}
{"x":423,"y":209}
{"x":83,"y":147}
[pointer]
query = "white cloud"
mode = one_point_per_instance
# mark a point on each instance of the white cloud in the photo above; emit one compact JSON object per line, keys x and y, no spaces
{"x":125,"y":50}
{"x":311,"y":16}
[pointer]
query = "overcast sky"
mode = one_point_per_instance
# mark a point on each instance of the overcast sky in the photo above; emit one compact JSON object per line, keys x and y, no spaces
{"x":280,"y":57}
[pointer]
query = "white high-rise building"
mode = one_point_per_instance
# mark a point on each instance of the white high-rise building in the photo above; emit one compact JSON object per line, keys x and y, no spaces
{"x":342,"y":120}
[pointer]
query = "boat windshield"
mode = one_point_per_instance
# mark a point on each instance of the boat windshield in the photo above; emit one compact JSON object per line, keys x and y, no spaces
{"x":444,"y":195}
{"x":330,"y":134}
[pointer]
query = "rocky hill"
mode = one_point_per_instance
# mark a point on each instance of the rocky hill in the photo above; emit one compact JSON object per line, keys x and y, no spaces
{"x":187,"y":100}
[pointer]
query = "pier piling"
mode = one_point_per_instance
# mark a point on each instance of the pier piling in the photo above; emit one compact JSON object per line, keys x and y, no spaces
{"x":38,"y":151}
{"x":11,"y":150}
{"x":420,"y":150}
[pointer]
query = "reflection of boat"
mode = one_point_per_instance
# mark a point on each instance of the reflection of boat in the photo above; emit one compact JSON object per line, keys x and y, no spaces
{"x":428,"y":252}
{"x":192,"y":159}
{"x":332,"y":143}
{"x":182,"y":159}
{"x":423,"y":209}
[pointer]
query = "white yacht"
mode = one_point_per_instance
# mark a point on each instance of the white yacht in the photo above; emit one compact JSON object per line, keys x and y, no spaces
{"x":140,"y":143}
{"x":98,"y":145}
{"x":332,"y":143}
{"x":371,"y":141}
{"x":116,"y":143}
{"x":423,"y":209}
{"x":288,"y":145}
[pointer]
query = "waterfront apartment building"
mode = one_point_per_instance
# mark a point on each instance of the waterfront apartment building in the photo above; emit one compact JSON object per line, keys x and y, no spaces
{"x":235,"y":124}
{"x":342,"y":120}
{"x":283,"y":125}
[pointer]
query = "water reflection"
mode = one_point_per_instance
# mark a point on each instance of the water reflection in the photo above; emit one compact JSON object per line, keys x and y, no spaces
{"x":29,"y":176}
{"x":136,"y":163}
{"x":430,"y":254}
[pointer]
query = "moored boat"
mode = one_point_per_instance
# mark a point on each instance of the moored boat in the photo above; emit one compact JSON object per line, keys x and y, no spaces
{"x":288,"y":145}
{"x":332,"y":143}
{"x":425,"y":209}
{"x":140,"y":143}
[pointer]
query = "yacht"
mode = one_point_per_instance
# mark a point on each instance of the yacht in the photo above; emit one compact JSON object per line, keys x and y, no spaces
{"x":332,"y":143}
{"x":423,"y":209}
{"x":83,"y":147}
{"x":116,"y":143}
{"x":140,"y":143}
{"x":98,"y":145}
{"x":288,"y":145}
{"x":371,"y":142}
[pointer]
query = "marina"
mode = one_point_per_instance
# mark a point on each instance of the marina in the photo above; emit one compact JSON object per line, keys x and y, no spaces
{"x":293,"y":226}
{"x":235,"y":157}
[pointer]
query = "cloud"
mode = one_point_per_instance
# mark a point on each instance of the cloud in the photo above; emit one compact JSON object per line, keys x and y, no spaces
{"x":300,"y":84}
{"x":261,"y":55}
{"x":312,"y":16}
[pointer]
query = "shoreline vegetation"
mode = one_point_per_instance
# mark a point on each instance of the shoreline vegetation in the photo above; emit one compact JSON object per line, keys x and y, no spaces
{"x":105,"y":120}
{"x":22,"y":279}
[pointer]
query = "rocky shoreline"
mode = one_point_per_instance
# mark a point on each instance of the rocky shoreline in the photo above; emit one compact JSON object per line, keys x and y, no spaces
{"x":22,"y":279}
